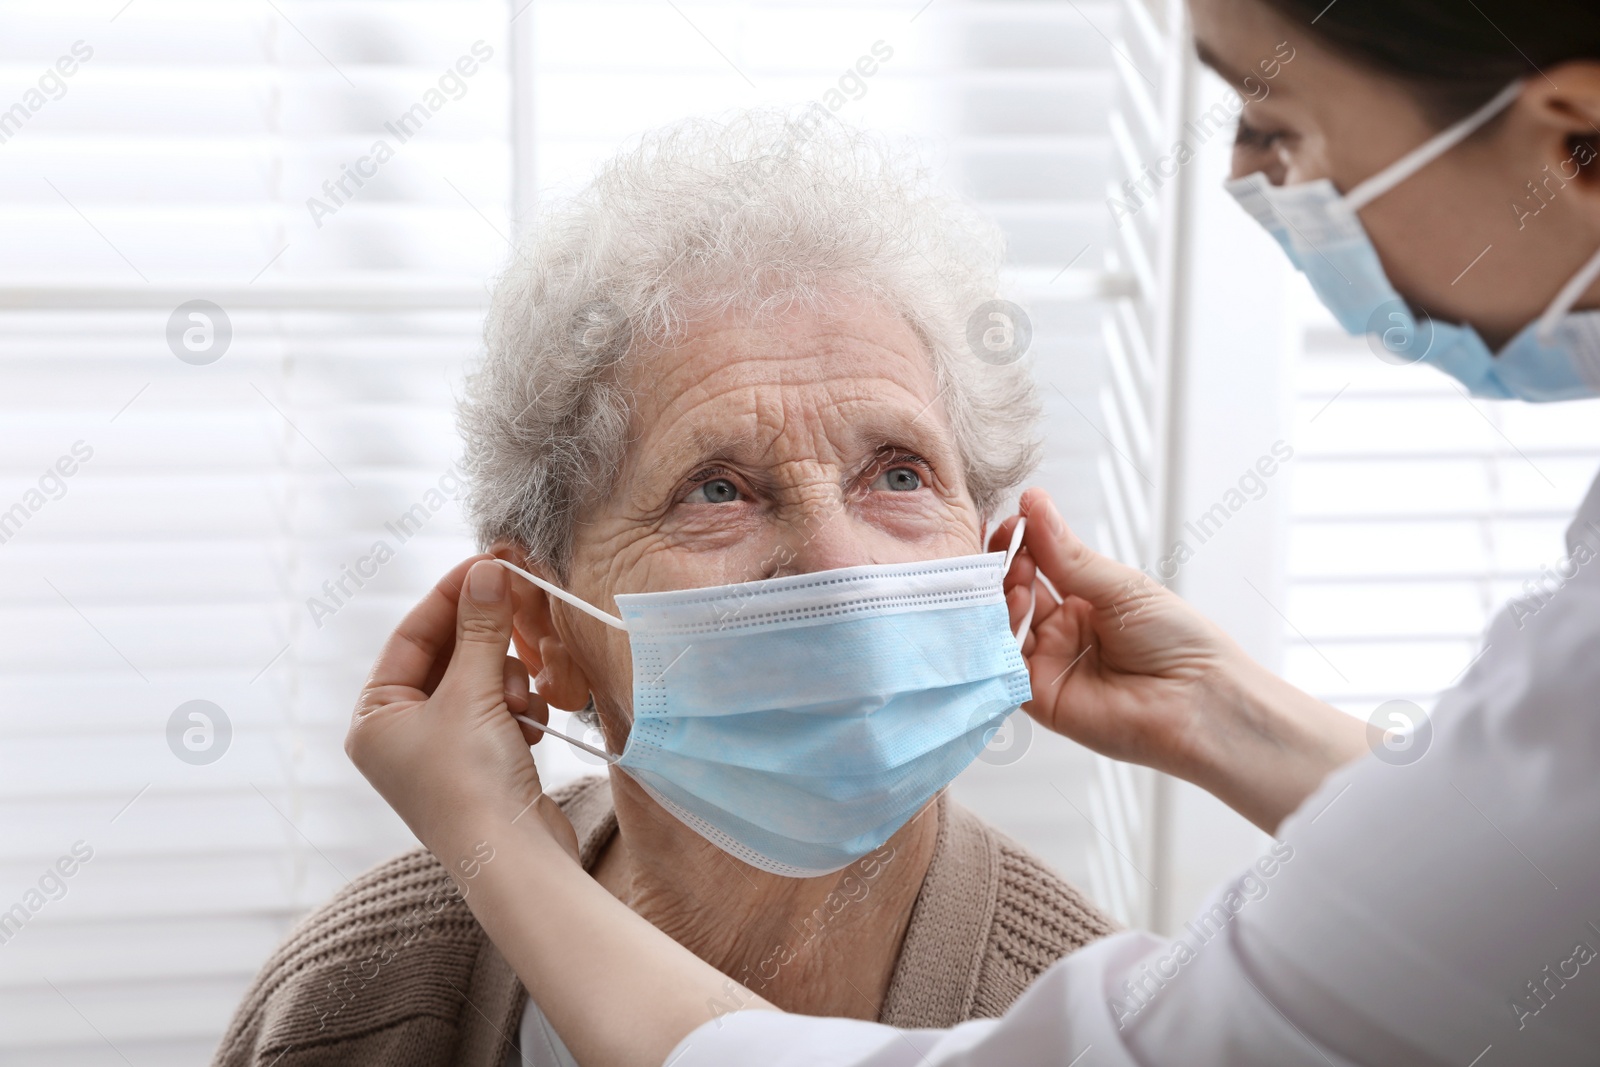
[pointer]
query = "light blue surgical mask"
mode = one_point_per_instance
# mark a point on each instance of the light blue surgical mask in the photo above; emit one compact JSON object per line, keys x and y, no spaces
{"x":798,"y":722}
{"x":1556,"y":357}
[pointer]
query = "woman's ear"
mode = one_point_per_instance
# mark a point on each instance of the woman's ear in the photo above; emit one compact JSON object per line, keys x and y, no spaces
{"x":552,"y":668}
{"x":1567,"y":102}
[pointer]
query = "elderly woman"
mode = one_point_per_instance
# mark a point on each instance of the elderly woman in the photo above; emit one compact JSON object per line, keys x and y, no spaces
{"x":739,"y":356}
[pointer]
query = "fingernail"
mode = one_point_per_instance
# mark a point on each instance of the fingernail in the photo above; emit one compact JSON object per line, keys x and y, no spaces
{"x":486,"y":582}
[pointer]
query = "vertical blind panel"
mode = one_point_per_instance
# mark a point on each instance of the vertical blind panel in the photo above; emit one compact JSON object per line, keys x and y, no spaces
{"x":207,"y":505}
{"x":1128,"y":402}
{"x":1416,"y":514}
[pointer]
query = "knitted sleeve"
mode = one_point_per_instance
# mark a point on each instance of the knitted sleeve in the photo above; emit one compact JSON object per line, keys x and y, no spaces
{"x":1038,"y":919}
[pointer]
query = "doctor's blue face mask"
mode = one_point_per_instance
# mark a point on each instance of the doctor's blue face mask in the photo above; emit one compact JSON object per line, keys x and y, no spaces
{"x":798,"y":722}
{"x":1556,"y":357}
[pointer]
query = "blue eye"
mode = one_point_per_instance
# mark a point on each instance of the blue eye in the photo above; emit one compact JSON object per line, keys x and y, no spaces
{"x":898,"y":480}
{"x":715,"y":491}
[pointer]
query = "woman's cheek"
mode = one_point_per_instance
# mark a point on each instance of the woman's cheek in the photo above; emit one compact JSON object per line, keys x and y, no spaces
{"x":926,"y":518}
{"x":709,"y":527}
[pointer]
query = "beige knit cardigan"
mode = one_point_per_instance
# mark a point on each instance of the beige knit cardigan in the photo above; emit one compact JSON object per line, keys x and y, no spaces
{"x":394,"y":970}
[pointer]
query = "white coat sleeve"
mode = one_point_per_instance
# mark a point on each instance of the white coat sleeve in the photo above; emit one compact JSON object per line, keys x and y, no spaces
{"x":1432,"y":904}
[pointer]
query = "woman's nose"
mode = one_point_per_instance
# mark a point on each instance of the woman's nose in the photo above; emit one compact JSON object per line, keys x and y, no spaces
{"x":824,"y":535}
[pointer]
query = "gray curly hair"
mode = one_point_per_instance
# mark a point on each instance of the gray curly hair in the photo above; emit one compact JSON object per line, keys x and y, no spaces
{"x":763,"y":213}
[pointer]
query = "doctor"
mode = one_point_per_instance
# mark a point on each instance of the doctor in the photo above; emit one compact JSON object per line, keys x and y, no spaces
{"x":1434,"y":896}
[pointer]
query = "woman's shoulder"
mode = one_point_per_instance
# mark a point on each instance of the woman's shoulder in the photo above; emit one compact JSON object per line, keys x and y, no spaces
{"x":390,"y":952}
{"x":989,"y":919}
{"x":385,"y":970}
{"x":1039,"y":917}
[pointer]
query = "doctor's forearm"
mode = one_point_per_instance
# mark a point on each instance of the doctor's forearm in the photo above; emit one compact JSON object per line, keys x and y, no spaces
{"x":1266,"y":746}
{"x":619,"y":992}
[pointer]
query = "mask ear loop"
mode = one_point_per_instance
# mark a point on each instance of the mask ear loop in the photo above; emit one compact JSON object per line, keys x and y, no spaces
{"x":1566,"y":298}
{"x":588,"y":609}
{"x":1011,"y":554}
{"x":1366,"y":192}
{"x":542,"y":728}
{"x":561,"y":594}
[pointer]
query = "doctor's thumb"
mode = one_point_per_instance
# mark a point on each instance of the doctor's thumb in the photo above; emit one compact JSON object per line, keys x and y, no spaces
{"x":1073,"y":567}
{"x":483,"y":634}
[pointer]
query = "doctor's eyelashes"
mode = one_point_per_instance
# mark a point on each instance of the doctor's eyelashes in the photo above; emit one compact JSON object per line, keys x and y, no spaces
{"x":1255,"y":138}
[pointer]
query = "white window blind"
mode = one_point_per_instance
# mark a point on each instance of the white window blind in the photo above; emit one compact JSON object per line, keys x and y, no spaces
{"x":1417,"y":513}
{"x":1139,"y":330}
{"x":210,"y":502}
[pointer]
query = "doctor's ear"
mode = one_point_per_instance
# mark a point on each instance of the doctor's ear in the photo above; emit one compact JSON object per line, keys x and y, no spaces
{"x":1567,"y":103}
{"x":552,"y":669}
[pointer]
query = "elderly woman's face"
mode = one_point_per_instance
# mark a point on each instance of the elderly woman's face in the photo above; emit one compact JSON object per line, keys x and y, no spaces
{"x":799,"y":446}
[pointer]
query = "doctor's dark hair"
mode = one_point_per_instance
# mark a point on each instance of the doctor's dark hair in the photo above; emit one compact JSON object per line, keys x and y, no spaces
{"x":1453,"y":52}
{"x":761,"y":215}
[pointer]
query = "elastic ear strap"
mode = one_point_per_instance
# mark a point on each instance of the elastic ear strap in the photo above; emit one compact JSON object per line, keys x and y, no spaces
{"x":1568,"y":296}
{"x":1027,"y":620}
{"x":1430,"y":150}
{"x":1016,"y":542}
{"x":561,"y":594}
{"x":542,"y":728}
{"x":1011,"y":554}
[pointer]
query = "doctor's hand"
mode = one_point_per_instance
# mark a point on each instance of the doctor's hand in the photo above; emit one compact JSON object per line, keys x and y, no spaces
{"x":1126,"y":667}
{"x":433,"y":729}
{"x":433,"y":732}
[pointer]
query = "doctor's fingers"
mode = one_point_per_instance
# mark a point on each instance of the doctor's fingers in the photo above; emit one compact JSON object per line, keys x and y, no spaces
{"x":522,"y":700}
{"x":1023,"y":580}
{"x":1000,"y":536}
{"x":416,"y":654}
{"x":1068,"y":563}
{"x":518,"y":690}
{"x":476,"y":676}
{"x":1043,"y":607}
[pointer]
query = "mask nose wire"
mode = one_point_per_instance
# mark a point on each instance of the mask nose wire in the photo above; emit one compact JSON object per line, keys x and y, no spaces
{"x":588,"y":609}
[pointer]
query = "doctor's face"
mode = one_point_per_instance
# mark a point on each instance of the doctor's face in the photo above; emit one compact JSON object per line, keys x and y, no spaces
{"x":1450,"y":237}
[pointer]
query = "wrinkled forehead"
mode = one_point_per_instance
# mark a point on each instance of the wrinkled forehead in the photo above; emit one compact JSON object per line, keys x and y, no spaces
{"x":831,"y":387}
